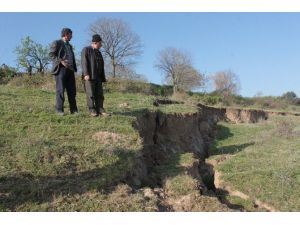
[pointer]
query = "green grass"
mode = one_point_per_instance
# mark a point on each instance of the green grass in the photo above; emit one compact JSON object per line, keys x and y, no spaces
{"x":244,"y":204}
{"x":175,"y":165}
{"x":121,"y":199}
{"x":45,"y":156}
{"x":265,"y":161}
{"x":182,"y":188}
{"x":173,"y":174}
{"x":54,"y":163}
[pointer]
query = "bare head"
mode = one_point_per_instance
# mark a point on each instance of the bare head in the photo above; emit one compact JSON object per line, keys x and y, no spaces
{"x":66,"y":34}
{"x":96,"y":41}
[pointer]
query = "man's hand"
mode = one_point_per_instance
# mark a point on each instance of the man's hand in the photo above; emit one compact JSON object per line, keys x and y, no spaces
{"x":65,"y":63}
{"x":86,"y":77}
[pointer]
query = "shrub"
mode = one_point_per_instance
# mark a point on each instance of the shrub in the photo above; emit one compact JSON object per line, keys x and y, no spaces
{"x":128,"y":86}
{"x":289,"y":96}
{"x":161,"y":90}
{"x":207,"y":99}
{"x":44,"y":82}
{"x":6,"y":73}
{"x":211,"y":100}
{"x":132,"y":86}
{"x":242,"y":101}
{"x":285,"y":128}
{"x":270,"y":102}
{"x":41,"y":81}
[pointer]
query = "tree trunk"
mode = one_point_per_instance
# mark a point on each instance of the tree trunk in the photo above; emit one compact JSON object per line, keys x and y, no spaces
{"x":41,"y":69}
{"x":175,"y":89}
{"x":114,"y":67}
{"x":175,"y":85}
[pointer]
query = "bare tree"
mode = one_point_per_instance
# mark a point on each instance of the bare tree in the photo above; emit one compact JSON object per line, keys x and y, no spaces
{"x":178,"y":70}
{"x":226,"y":82}
{"x":124,"y":72}
{"x":120,"y":44}
{"x":128,"y":73}
{"x":32,"y":55}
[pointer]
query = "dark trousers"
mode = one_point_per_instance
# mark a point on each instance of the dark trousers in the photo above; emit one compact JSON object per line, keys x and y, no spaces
{"x":94,"y":95}
{"x":65,"y":80}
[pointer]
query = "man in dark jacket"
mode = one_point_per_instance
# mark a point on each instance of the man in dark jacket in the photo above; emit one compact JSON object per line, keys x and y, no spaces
{"x":64,"y":66}
{"x":93,"y":75}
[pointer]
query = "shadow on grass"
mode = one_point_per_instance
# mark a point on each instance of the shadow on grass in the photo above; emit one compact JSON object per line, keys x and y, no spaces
{"x":8,"y":94}
{"x":224,"y":133}
{"x":230,"y":149}
{"x":223,"y":195}
{"x":169,"y":168}
{"x":25,"y":188}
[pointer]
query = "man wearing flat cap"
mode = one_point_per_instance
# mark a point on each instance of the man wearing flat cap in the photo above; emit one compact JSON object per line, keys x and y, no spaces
{"x":64,"y":66}
{"x":93,"y":76}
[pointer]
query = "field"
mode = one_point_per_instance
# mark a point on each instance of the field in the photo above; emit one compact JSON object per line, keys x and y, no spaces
{"x":261,"y":161}
{"x":72,"y":162}
{"x":79,"y":163}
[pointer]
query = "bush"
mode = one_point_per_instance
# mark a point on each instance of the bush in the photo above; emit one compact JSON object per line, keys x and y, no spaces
{"x":270,"y":102}
{"x":162,"y":90}
{"x":206,"y":99}
{"x":211,"y":100}
{"x":124,"y":85}
{"x":290,"y":96}
{"x":28,"y":81}
{"x":132,"y":86}
{"x":242,"y":101}
{"x":285,"y":129}
{"x":6,"y":73}
{"x":45,"y":82}
{"x":217,"y":98}
{"x":180,"y":96}
{"x":297,"y":101}
{"x":41,"y":81}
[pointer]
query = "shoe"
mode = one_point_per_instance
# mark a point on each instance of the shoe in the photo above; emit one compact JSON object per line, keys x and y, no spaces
{"x":75,"y":113}
{"x":103,"y":113}
{"x":60,"y":113}
{"x":93,"y":114}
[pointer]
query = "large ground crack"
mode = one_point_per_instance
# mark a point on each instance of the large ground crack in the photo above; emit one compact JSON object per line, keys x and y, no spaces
{"x":174,"y":150}
{"x":221,"y":185}
{"x":172,"y":135}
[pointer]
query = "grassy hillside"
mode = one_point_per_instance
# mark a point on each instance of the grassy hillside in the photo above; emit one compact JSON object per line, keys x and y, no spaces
{"x":69,"y":163}
{"x":273,"y":103}
{"x":80,"y":163}
{"x":262,"y":161}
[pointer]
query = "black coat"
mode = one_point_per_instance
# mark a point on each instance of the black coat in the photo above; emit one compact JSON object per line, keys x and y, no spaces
{"x":57,"y":54}
{"x":90,"y":66}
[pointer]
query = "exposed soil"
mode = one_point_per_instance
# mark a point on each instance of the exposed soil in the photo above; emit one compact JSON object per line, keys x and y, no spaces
{"x":221,"y":185}
{"x":165,"y":134}
{"x":158,"y":102}
{"x":283,"y":113}
{"x":236,"y":115}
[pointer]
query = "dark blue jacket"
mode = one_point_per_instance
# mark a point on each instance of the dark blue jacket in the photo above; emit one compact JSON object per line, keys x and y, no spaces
{"x":57,"y":54}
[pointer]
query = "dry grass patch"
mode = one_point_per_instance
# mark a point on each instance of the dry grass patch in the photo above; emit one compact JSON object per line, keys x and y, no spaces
{"x":116,"y":139}
{"x":286,"y":128}
{"x":108,"y":138}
